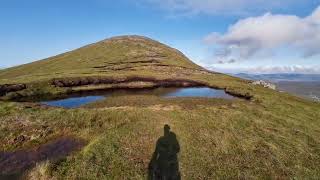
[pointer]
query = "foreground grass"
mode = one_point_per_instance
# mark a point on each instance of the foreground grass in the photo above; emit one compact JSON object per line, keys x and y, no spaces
{"x":218,"y":138}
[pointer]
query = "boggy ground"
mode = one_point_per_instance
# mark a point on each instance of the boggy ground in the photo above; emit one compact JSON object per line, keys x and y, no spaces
{"x":13,"y":164}
{"x":218,"y":138}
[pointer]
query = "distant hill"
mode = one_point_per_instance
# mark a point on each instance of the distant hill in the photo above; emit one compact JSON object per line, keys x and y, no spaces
{"x":280,"y":77}
{"x":304,"y":85}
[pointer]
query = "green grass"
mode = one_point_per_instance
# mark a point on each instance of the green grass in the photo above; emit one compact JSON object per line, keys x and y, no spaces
{"x":273,"y":136}
{"x":218,"y":138}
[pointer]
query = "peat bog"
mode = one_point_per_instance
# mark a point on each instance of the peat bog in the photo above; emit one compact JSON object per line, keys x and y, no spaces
{"x":14,"y":164}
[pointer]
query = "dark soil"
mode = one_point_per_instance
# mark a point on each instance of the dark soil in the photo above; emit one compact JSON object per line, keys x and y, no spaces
{"x":73,"y":82}
{"x":6,"y":88}
{"x":14,"y":164}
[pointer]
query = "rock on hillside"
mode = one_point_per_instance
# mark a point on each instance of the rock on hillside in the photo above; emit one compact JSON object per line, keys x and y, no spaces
{"x":265,"y":84}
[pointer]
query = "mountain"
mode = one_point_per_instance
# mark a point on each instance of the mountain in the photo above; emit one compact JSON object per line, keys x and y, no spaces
{"x":123,"y":59}
{"x":125,"y":53}
{"x":259,"y":134}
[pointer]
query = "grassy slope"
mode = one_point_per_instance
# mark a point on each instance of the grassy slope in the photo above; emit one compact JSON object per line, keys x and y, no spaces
{"x":117,"y":57}
{"x":275,"y":135}
{"x":81,"y":62}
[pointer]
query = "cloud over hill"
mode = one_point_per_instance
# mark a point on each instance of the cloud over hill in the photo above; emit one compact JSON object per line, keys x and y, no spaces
{"x":264,"y":34}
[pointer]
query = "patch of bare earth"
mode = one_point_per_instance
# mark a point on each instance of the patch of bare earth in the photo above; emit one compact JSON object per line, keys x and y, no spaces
{"x":18,"y":161}
{"x":157,"y":107}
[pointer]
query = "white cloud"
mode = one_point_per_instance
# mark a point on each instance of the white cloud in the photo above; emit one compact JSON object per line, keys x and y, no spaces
{"x":267,"y":69}
{"x":224,"y":6}
{"x":286,"y":69}
{"x":266,"y":33}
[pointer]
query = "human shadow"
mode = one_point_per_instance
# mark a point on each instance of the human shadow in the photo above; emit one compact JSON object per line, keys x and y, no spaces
{"x":164,"y":163}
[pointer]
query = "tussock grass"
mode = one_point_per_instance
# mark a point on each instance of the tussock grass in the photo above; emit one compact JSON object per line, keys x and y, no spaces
{"x":40,"y":172}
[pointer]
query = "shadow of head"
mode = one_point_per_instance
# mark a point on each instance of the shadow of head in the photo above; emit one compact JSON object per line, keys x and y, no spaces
{"x":164,"y":162}
{"x":166,"y":129}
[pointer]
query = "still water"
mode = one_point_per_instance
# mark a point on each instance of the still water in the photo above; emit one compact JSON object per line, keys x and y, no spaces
{"x":77,"y":100}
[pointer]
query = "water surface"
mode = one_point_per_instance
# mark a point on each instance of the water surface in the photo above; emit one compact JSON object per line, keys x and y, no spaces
{"x":73,"y":102}
{"x":80,"y":99}
{"x":199,"y":92}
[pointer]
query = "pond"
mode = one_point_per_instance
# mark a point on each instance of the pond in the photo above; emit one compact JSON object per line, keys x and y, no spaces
{"x":80,"y":99}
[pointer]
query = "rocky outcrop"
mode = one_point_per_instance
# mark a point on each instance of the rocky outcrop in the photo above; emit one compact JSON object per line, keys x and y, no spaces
{"x":6,"y":88}
{"x":74,"y":82}
{"x":265,"y":84}
{"x":315,"y":98}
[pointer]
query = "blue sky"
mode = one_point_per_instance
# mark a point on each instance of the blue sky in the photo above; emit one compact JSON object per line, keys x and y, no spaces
{"x":35,"y":29}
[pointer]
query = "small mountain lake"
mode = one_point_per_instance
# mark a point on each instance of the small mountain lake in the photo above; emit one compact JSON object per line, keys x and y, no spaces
{"x":80,"y":99}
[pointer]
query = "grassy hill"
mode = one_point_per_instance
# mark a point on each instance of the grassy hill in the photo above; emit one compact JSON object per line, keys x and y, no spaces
{"x":118,"y":58}
{"x":125,"y":53}
{"x":269,"y":135}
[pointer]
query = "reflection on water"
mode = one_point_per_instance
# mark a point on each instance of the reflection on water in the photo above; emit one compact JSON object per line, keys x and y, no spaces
{"x":73,"y":102}
{"x":79,"y":99}
{"x":199,"y":92}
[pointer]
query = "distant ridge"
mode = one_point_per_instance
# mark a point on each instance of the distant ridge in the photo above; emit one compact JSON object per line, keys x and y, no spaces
{"x":280,"y":77}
